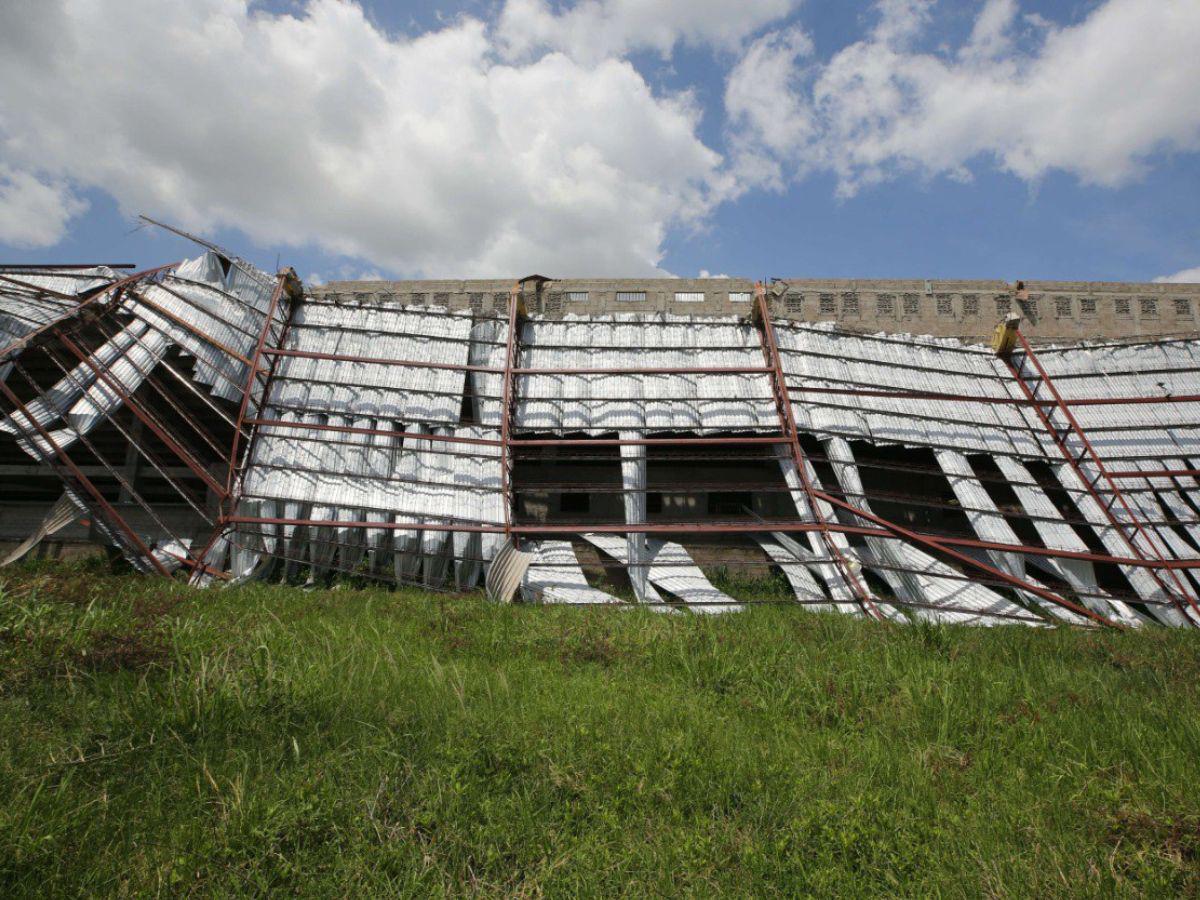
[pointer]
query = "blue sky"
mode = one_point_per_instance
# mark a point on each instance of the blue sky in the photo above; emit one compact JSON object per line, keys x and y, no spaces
{"x":902,"y":138}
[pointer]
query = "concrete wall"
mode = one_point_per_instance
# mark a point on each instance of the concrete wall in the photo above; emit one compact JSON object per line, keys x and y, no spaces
{"x":1052,"y":310}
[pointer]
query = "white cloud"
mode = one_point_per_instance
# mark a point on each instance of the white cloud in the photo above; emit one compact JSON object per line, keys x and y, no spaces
{"x":593,"y":30}
{"x":423,"y":155}
{"x":1095,"y":99}
{"x":1186,"y":276}
{"x":34,"y":213}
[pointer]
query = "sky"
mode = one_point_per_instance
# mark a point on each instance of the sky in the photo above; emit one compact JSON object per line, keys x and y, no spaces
{"x":1013,"y":139}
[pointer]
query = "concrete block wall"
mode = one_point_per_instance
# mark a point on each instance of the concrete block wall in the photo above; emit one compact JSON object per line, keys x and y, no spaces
{"x":969,"y":310}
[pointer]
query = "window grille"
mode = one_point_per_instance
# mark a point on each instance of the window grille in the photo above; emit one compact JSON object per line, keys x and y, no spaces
{"x":631,"y":296}
{"x":912,"y":305}
{"x":970,"y":305}
{"x":739,"y":296}
{"x":1062,"y":307}
{"x":1122,"y":307}
{"x":827,"y":307}
{"x":1148,"y":307}
{"x":1183,"y":307}
{"x":945,"y":305}
{"x":689,"y":296}
{"x":577,"y":296}
{"x":885,"y":305}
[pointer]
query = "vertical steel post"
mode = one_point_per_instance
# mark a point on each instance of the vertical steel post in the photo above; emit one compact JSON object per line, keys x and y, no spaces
{"x":516,"y":312}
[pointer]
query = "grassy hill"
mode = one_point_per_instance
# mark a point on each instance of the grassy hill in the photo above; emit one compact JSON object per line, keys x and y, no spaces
{"x":155,"y":739}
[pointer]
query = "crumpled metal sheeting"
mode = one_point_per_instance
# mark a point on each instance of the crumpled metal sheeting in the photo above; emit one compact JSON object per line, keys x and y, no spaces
{"x":794,"y":561}
{"x":555,"y":576}
{"x":126,"y":361}
{"x":822,"y":357}
{"x":375,"y":477}
{"x":50,"y":406}
{"x":1149,"y":430}
{"x":844,"y":598}
{"x":414,"y":478}
{"x":228,"y":309}
{"x":989,"y":524}
{"x":642,"y":402}
{"x":489,"y":339}
{"x":1142,"y":581}
{"x":23,"y":309}
{"x":926,"y":581}
{"x":415,"y":393}
{"x":673,"y":570}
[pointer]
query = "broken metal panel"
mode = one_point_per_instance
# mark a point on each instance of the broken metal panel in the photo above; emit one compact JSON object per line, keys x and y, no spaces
{"x":554,"y":576}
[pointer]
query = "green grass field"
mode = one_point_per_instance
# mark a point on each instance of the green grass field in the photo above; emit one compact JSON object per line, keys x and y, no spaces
{"x":160,"y":740}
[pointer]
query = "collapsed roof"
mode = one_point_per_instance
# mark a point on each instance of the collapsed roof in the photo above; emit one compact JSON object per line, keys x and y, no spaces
{"x":890,"y":476}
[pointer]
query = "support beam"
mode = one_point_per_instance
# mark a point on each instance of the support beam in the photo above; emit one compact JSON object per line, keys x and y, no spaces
{"x":105,"y":507}
{"x":787,"y":427}
{"x":1132,"y":532}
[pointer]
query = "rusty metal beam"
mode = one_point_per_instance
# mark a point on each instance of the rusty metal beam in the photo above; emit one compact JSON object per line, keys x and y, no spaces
{"x":787,"y":427}
{"x":1177,"y":596}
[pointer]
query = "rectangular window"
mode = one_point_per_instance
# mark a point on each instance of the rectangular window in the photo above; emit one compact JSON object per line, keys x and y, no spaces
{"x":441,"y":299}
{"x":885,"y":305}
{"x":1002,"y":306}
{"x":912,"y":304}
{"x":970,"y":305}
{"x":793,"y":302}
{"x":1148,"y":307}
{"x":631,"y":296}
{"x":739,"y":296}
{"x":416,"y":299}
{"x":729,"y":503}
{"x":849,"y":304}
{"x":1087,"y":306}
{"x":575,"y":503}
{"x":945,"y":305}
{"x":476,"y":302}
{"x":554,"y":302}
{"x":1121,"y":306}
{"x":689,"y":296}
{"x":827,"y":307}
{"x":577,"y":296}
{"x":1062,"y":307}
{"x":1183,"y":307}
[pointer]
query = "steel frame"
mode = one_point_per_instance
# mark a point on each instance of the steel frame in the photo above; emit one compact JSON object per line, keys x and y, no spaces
{"x":248,"y":427}
{"x":1130,"y":529}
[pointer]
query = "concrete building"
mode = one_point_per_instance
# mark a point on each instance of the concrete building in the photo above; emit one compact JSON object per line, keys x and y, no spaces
{"x":968,"y":310}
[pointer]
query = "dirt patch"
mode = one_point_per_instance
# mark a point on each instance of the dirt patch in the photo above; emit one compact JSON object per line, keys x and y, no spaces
{"x":1175,"y":837}
{"x":110,"y":651}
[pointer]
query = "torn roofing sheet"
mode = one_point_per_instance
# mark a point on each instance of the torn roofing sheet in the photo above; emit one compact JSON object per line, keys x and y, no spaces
{"x":371,"y":439}
{"x":554,"y":576}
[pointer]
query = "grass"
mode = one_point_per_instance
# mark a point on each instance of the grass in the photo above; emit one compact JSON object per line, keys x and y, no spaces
{"x":159,"y":740}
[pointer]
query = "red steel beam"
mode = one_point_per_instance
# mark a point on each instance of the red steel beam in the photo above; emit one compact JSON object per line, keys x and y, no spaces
{"x":787,"y":426}
{"x":174,"y":446}
{"x":1059,"y":439}
{"x":507,"y":404}
{"x":788,"y":527}
{"x":251,"y":377}
{"x":84,"y":481}
{"x":531,"y":442}
{"x":113,"y":288}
